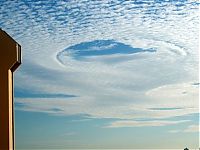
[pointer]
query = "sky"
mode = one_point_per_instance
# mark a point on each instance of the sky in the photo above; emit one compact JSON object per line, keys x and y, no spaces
{"x":105,"y":74}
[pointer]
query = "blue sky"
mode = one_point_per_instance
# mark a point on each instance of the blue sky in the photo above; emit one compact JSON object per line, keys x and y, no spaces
{"x":105,"y":74}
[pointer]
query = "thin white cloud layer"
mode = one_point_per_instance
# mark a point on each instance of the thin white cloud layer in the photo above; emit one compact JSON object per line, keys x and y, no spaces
{"x":189,"y":129}
{"x":162,"y":84}
{"x":119,"y":124}
{"x":192,"y":128}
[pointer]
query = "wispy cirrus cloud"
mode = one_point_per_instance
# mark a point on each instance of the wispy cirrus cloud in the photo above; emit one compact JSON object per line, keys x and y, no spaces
{"x":189,"y":129}
{"x":128,"y":123}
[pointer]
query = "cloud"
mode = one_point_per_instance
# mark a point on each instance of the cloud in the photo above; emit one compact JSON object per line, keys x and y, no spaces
{"x":23,"y":93}
{"x":192,"y":128}
{"x":91,"y":108}
{"x":123,"y":86}
{"x":128,"y":123}
{"x":97,"y":48}
{"x":70,"y":134}
{"x":189,"y":129}
{"x":184,"y":92}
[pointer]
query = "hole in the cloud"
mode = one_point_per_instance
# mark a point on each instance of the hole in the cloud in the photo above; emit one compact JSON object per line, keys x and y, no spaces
{"x":99,"y":48}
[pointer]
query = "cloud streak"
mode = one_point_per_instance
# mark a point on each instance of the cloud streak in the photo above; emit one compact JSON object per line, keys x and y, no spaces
{"x":189,"y":129}
{"x":119,"y":124}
